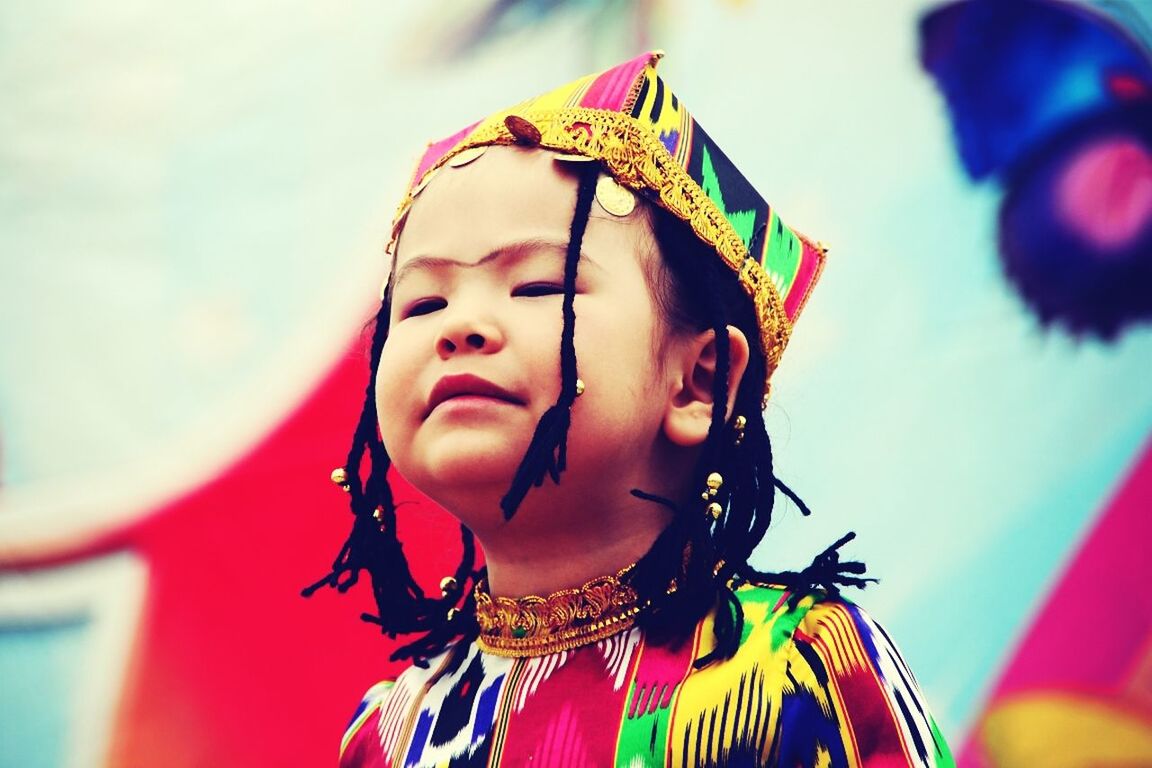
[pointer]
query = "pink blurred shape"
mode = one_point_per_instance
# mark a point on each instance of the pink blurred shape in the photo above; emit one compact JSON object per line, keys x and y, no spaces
{"x":1105,"y":194}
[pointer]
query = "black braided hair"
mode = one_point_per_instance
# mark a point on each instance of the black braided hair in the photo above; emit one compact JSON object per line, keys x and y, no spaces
{"x":695,"y":292}
{"x":373,"y":544}
{"x":546,"y":454}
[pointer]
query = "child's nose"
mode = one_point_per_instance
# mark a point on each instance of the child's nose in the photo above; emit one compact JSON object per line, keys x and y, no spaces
{"x":473,"y":340}
{"x":462,"y":333}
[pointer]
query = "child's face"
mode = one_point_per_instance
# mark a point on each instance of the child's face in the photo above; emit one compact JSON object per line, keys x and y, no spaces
{"x":472,"y":356}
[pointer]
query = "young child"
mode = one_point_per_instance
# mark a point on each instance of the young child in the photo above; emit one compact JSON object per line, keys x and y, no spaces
{"x":586,"y":304}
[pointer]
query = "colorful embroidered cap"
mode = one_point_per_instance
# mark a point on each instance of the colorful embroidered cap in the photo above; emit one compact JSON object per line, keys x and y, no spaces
{"x":629,"y":120}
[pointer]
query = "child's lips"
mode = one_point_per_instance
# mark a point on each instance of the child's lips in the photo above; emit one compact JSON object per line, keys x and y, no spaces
{"x":467,"y":385}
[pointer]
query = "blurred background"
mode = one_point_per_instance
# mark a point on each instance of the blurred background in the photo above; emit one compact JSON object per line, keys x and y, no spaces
{"x":193,"y":205}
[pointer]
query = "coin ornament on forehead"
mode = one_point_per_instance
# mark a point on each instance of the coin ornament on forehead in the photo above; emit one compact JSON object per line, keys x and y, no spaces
{"x":466,"y":156}
{"x":614,"y":198}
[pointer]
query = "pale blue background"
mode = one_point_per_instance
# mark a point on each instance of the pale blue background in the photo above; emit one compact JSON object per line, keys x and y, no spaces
{"x":39,"y":664}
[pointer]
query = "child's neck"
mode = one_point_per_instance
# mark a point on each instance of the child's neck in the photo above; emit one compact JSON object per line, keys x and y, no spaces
{"x":526,"y":557}
{"x":536,"y":573}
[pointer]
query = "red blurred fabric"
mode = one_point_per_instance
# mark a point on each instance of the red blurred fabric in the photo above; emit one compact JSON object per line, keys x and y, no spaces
{"x":232,"y":667}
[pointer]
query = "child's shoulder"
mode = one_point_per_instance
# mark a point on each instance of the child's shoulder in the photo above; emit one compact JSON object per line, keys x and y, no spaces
{"x":389,"y":695}
{"x":374,"y":729}
{"x":789,"y":609}
{"x":788,"y":621}
{"x":377,"y":692}
{"x":828,"y":655}
{"x":352,"y":746}
{"x":371,"y":732}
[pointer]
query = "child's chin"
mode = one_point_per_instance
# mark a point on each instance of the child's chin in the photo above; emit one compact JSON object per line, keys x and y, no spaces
{"x":462,"y":467}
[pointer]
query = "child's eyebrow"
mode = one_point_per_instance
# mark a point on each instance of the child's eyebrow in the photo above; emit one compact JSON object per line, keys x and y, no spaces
{"x":516,"y":250}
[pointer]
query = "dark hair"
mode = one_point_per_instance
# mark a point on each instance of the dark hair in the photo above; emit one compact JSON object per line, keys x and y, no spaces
{"x":705,"y":557}
{"x":696,"y":291}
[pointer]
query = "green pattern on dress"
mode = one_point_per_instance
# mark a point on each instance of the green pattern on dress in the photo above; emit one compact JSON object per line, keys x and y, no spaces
{"x":643,"y":738}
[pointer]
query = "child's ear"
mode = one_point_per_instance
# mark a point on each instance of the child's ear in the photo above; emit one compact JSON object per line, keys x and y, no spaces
{"x":689,"y":412}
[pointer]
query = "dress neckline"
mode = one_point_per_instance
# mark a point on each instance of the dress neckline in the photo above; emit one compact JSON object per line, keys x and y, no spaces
{"x":564,"y":620}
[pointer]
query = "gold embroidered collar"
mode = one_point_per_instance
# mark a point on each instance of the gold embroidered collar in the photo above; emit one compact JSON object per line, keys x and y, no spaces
{"x":570,"y":618}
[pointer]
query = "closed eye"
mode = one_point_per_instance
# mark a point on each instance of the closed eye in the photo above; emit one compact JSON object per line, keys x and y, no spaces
{"x":424,"y":307}
{"x":533,"y":290}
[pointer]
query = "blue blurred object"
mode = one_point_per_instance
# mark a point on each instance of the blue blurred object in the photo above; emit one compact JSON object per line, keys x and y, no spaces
{"x":1013,"y":71}
{"x":1055,"y":99}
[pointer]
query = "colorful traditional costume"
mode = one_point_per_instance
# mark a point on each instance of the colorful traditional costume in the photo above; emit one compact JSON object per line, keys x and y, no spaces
{"x":816,"y":685}
{"x":571,"y":679}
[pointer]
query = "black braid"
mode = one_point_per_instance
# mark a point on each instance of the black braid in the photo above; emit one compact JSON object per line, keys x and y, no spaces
{"x":827,"y":572}
{"x":547,"y":453}
{"x":697,"y":292}
{"x":729,"y":621}
{"x":373,"y":545}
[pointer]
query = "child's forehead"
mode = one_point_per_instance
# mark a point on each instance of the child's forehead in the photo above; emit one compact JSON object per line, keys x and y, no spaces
{"x":496,"y":175}
{"x":503,"y":197}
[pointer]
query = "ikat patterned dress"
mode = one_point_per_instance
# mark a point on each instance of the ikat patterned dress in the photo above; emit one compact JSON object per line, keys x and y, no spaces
{"x":820,"y":684}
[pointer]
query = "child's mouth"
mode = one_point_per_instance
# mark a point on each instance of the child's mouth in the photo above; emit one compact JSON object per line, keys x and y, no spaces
{"x":470,"y":387}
